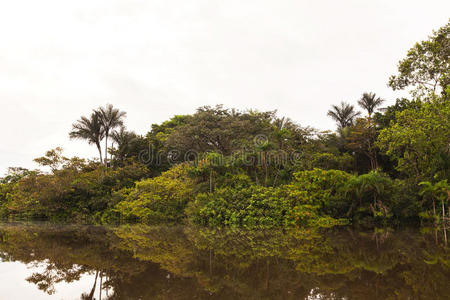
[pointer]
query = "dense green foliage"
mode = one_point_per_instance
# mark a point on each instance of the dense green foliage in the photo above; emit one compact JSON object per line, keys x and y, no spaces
{"x":223,"y":166}
{"x":79,"y":190}
{"x":158,"y":199}
{"x":250,"y":205}
{"x":418,"y":140}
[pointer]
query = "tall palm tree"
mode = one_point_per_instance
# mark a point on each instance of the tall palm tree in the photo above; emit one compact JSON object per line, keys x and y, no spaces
{"x":370,"y":102}
{"x":89,"y":129}
{"x":343,"y":115}
{"x":110,"y":119}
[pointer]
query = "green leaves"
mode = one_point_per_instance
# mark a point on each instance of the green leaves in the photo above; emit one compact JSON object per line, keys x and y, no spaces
{"x":304,"y":202}
{"x":438,"y":190}
{"x":418,"y":141}
{"x":426,"y":66}
{"x":343,"y":114}
{"x":159,"y":199}
{"x":370,"y":101}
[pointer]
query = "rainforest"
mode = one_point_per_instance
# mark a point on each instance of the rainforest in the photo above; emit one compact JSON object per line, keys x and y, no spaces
{"x":226,"y":167}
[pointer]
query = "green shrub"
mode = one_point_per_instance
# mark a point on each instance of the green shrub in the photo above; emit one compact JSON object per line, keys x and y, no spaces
{"x":324,"y":188}
{"x":287,"y":205}
{"x":159,"y":199}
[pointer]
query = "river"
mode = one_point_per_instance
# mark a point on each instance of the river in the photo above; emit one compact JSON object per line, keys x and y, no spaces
{"x":48,"y":261}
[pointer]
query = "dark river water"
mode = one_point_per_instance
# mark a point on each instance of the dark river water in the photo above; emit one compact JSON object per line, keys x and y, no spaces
{"x":44,"y":261}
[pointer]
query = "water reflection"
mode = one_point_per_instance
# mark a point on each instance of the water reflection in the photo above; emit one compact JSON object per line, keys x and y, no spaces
{"x":142,"y":262}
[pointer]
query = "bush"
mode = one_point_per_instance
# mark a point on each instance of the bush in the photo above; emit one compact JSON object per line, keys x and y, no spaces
{"x":73,"y":192}
{"x":159,"y":199}
{"x":371,"y":195}
{"x":288,"y":205}
{"x":324,"y":188}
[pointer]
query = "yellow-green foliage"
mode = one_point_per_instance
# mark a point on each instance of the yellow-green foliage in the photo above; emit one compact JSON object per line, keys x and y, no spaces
{"x":162,"y":198}
{"x":329,"y":161}
{"x":321,"y":186}
{"x":419,"y":141}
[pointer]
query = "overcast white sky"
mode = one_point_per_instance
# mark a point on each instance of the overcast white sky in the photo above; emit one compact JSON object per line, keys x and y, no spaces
{"x":59,"y":59}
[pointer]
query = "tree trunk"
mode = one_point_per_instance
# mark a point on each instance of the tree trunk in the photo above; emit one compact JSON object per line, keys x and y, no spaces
{"x":434,"y":208}
{"x":106,"y":149}
{"x":101,"y":280}
{"x":375,"y":159}
{"x":91,"y":295}
{"x":276,"y":178}
{"x":445,"y":236}
{"x":210,"y":181}
{"x":448,"y":203}
{"x":100,"y":152}
{"x":443,"y":212}
{"x":267,"y":176}
{"x":111,"y":155}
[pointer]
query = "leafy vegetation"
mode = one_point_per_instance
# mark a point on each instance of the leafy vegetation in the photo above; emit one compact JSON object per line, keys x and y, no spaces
{"x":426,"y":66}
{"x":159,"y":199}
{"x":222,"y":166}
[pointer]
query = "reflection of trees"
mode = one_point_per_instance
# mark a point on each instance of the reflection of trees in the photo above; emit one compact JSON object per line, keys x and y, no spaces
{"x":185,"y":262}
{"x":66,"y":253}
{"x":89,"y":296}
{"x":52,"y":275}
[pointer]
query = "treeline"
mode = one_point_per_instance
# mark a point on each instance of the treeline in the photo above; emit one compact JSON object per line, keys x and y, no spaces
{"x":223,"y":166}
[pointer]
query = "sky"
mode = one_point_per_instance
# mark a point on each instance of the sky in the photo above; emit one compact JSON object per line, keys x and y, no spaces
{"x":153,"y":59}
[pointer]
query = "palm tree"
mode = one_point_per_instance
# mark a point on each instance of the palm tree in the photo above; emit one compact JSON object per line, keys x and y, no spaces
{"x":342,"y":137}
{"x":437,"y":191}
{"x":343,"y":115}
{"x":110,"y":118}
{"x":123,"y":139}
{"x":370,"y":101}
{"x":374,"y":183}
{"x":89,"y":129}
